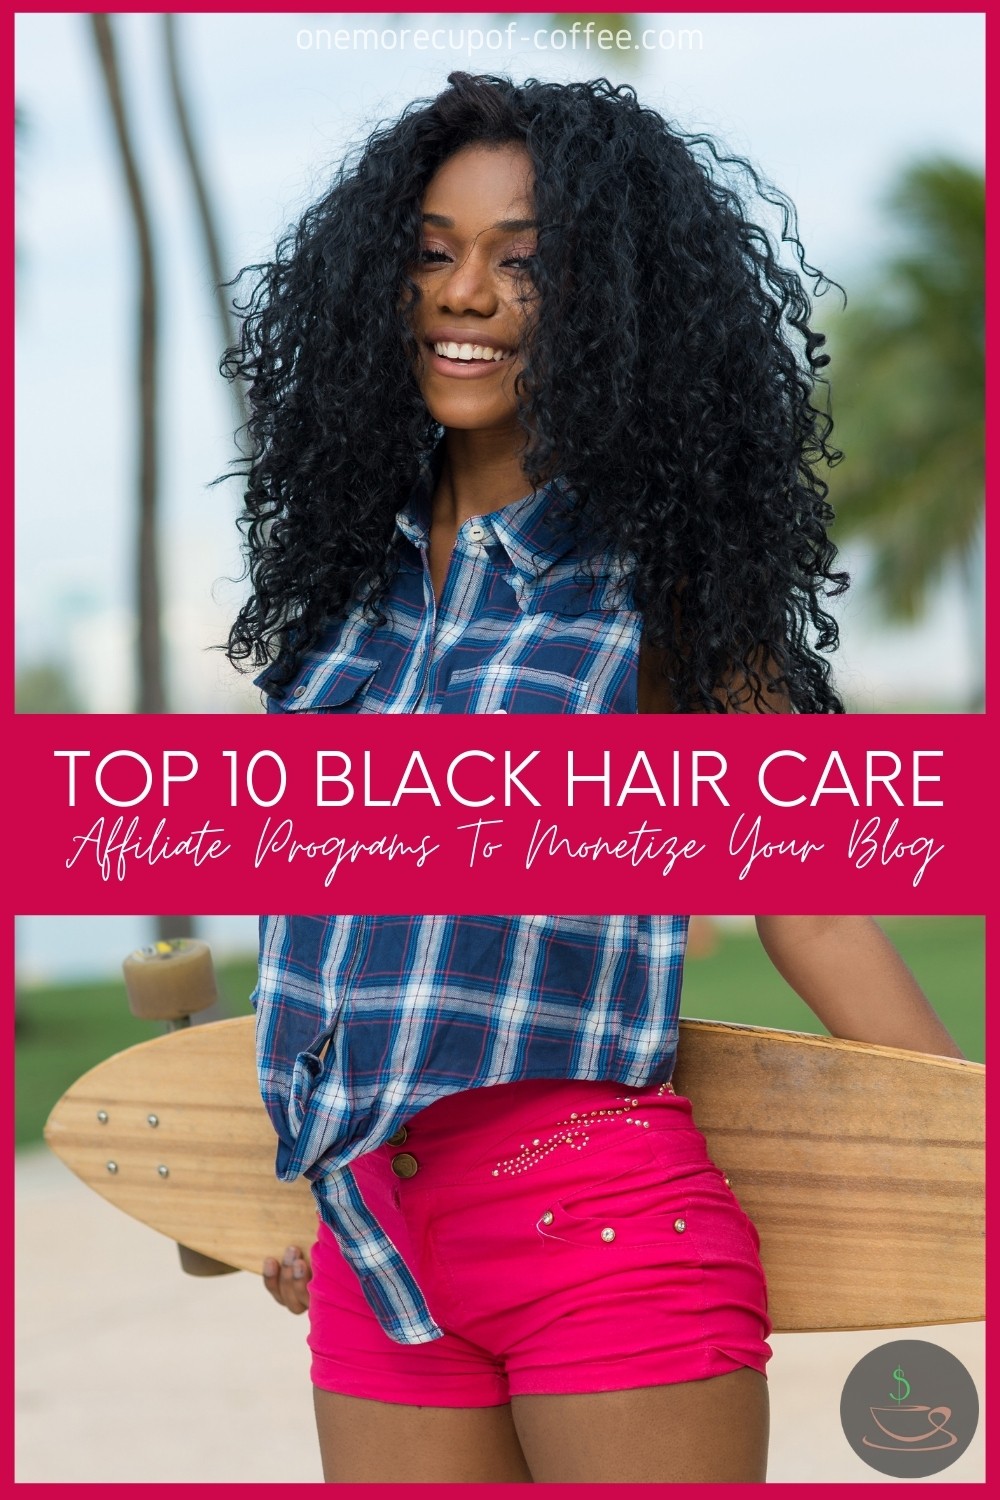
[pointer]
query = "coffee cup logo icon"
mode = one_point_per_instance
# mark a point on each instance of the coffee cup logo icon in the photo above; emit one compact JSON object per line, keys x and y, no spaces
{"x":914,"y":1423}
{"x":915,"y":1420}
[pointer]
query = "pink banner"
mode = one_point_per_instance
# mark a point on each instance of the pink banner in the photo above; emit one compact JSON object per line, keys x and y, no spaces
{"x":520,"y":814}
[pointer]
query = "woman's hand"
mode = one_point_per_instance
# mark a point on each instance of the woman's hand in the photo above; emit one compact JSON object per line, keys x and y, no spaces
{"x":848,"y":972}
{"x":288,"y":1282}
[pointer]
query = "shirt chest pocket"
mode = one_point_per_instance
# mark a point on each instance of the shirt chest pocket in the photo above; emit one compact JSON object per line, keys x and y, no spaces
{"x":339,"y":684}
{"x":503,"y":688}
{"x":579,"y":627}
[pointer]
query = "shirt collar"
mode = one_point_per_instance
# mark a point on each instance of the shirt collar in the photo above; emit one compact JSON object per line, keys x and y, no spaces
{"x":532,"y":531}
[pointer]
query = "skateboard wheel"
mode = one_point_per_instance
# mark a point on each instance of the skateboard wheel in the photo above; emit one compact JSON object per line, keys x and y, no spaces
{"x":196,"y":1264}
{"x":170,"y":980}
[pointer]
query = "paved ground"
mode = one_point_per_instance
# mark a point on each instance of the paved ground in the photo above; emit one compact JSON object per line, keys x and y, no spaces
{"x":129,"y":1371}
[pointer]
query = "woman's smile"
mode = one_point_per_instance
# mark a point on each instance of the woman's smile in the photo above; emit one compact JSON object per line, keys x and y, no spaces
{"x":454,"y":354}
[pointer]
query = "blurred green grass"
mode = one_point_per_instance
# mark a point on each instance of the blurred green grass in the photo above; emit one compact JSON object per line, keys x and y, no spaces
{"x":738,"y":983}
{"x":65,"y":1029}
{"x":62,"y":1030}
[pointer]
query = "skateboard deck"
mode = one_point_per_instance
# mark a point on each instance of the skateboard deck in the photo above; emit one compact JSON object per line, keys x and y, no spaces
{"x":861,"y":1166}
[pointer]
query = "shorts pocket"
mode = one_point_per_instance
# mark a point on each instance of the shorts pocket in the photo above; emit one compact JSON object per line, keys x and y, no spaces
{"x":642,"y":1204}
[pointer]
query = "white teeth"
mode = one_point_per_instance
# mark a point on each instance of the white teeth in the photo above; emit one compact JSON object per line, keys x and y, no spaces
{"x":469,"y":352}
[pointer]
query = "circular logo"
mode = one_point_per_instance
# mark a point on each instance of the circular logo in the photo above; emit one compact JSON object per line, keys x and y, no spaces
{"x":909,"y":1408}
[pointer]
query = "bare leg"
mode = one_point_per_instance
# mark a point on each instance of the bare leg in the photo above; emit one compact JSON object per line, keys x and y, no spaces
{"x":700,"y":1431}
{"x":369,"y":1442}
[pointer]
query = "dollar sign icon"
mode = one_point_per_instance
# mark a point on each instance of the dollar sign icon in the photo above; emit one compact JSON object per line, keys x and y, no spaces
{"x":900,"y":1379}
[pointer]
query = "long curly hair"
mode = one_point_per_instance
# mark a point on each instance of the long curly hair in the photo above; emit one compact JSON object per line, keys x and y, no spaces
{"x":669,"y":379}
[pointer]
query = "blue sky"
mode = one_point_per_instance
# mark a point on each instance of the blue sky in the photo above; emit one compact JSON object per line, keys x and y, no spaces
{"x":830,"y":107}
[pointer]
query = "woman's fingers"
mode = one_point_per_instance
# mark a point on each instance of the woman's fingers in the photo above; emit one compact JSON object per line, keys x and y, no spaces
{"x":272,"y":1271}
{"x":288,"y":1281}
{"x":295,"y":1273}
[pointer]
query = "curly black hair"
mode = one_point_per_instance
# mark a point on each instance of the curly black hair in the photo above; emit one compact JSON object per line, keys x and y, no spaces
{"x":669,"y":379}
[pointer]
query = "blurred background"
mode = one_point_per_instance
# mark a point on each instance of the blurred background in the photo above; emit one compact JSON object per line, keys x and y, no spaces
{"x":151,"y":1376}
{"x":156,"y":155}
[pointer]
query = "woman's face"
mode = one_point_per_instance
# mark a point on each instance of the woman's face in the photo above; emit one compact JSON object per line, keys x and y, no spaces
{"x":477,"y":296}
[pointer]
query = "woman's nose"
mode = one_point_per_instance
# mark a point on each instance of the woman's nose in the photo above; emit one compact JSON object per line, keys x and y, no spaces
{"x":468,"y":286}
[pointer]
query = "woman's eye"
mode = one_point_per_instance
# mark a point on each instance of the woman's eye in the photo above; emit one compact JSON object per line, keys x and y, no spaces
{"x":428,"y":257}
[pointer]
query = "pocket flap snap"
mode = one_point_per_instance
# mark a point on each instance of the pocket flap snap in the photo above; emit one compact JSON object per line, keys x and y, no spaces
{"x":333,"y":683}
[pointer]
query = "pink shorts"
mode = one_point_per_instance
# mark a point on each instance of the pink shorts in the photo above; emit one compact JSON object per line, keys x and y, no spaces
{"x":568,"y":1237}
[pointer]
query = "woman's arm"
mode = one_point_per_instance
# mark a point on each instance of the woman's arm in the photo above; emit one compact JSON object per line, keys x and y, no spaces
{"x":848,"y":972}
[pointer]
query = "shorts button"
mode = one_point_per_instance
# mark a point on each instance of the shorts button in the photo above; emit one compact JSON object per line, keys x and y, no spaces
{"x":398,"y":1136}
{"x":405,"y":1165}
{"x":548,"y":1216}
{"x":607,"y":1235}
{"x":680,"y":1225}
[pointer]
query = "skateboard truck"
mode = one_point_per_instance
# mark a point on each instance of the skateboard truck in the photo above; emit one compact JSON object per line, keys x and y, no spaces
{"x":172,"y":981}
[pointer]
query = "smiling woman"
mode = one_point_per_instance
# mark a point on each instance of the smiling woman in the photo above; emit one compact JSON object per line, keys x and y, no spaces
{"x":532,"y":432}
{"x":644,"y":417}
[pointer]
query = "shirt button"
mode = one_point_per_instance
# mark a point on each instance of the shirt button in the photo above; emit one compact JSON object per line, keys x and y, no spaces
{"x":499,"y":710}
{"x":405,"y":1165}
{"x":298,"y":692}
{"x":477,"y":533}
{"x":398,"y":1136}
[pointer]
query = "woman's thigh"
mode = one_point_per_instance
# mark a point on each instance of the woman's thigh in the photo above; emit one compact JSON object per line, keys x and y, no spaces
{"x":377,"y":1442}
{"x":698,"y":1431}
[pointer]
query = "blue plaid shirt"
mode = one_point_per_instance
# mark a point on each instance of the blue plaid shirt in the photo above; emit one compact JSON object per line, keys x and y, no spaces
{"x":520,"y":627}
{"x":364,"y":1020}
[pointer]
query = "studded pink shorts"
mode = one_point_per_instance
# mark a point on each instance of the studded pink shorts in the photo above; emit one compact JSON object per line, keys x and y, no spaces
{"x":568,"y":1237}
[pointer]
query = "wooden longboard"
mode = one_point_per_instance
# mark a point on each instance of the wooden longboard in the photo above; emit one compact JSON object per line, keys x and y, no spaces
{"x":861,"y":1166}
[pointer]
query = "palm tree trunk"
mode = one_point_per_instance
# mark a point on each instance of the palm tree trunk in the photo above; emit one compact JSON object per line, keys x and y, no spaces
{"x":174,"y":927}
{"x":150,"y":696}
{"x":211,"y":239}
{"x":975,"y":612}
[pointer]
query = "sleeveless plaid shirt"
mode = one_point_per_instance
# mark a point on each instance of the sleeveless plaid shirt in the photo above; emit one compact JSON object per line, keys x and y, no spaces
{"x":363,"y":1020}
